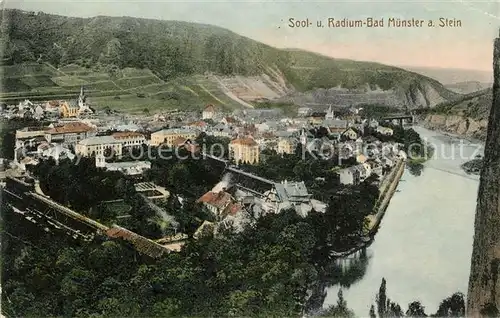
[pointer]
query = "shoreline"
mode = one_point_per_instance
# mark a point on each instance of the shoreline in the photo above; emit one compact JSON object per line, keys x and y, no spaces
{"x":423,"y":124}
{"x":380,"y":207}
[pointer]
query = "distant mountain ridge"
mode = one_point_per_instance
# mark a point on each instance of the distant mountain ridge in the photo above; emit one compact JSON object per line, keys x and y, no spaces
{"x":450,"y":76}
{"x":467,"y":116}
{"x":208,"y":62}
{"x":468,"y":87}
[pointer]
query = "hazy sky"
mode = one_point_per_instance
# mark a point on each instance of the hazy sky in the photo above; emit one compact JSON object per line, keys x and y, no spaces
{"x":468,"y":46}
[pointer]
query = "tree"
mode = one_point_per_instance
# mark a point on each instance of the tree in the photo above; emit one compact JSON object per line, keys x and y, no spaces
{"x":415,"y":309}
{"x":339,"y":310}
{"x":453,"y":306}
{"x":372,"y":312}
{"x":341,"y":303}
{"x":382,"y":299}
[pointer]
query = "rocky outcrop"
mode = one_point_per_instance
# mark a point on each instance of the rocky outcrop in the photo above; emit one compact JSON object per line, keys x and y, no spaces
{"x":420,"y":95}
{"x":483,"y":298}
{"x":455,"y":124}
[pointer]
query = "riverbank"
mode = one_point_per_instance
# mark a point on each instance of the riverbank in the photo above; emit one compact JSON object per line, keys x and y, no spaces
{"x":430,"y":218}
{"x":387,"y":190}
{"x":460,"y":126}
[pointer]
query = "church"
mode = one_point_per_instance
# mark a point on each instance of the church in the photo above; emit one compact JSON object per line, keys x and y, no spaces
{"x":72,"y":109}
{"x":83,"y":108}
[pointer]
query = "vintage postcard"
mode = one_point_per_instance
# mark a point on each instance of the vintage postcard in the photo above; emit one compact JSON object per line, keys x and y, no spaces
{"x":250,"y":158}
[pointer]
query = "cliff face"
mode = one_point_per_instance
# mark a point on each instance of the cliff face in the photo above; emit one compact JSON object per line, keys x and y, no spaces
{"x":483,"y":297}
{"x":461,"y":125}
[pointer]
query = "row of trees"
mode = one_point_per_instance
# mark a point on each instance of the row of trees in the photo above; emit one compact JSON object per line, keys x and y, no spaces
{"x":452,"y":306}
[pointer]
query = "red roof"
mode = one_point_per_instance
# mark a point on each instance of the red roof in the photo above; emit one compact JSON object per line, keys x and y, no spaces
{"x":53,"y":103}
{"x":198,"y":124}
{"x":209,"y":108}
{"x":126,"y":134}
{"x":179,"y":141}
{"x":244,"y":142}
{"x":76,"y":127}
{"x":268,"y":135}
{"x":218,"y":199}
{"x":232,"y":209}
{"x":230,"y":120}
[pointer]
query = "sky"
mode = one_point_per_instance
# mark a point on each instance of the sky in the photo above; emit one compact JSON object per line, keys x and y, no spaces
{"x":465,"y":47}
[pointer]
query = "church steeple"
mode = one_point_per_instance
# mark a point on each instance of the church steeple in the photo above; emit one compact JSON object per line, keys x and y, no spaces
{"x":81,"y":98}
{"x":329,"y":113}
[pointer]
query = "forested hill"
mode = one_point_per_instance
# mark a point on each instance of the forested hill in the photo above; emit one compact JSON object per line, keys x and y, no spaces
{"x":173,"y":49}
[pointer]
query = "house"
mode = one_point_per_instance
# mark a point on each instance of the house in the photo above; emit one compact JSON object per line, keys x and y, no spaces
{"x":127,"y":127}
{"x":373,"y":123}
{"x":205,"y":229}
{"x":402,"y":155}
{"x":361,"y":158}
{"x":244,"y":150}
{"x":25,"y":162}
{"x":295,"y":192}
{"x":303,"y":111}
{"x":317,"y":118}
{"x":168,"y":136}
{"x":99,"y":146}
{"x":216,"y":202}
{"x":56,"y":151}
{"x":129,"y":168}
{"x":289,"y":195}
{"x":70,"y":133}
{"x":335,"y":125}
{"x":354,"y":175}
{"x":350,"y":134}
{"x":287,"y":145}
{"x":234,"y":218}
{"x":229,"y":121}
{"x":386,"y":131}
{"x":39,"y":112}
{"x":27,"y":133}
{"x":69,"y":109}
{"x":130,"y":138}
{"x":376,"y":167}
{"x":221,"y":132}
{"x":387,"y":161}
{"x":26,"y":113}
{"x":26,"y":104}
{"x":208,"y":112}
{"x":199,"y":125}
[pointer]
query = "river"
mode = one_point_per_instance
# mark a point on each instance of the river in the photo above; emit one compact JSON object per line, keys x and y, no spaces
{"x":424,"y":243}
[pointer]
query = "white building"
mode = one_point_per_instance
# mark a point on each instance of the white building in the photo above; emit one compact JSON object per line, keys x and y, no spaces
{"x":99,"y":146}
{"x":130,"y":168}
{"x":208,"y":112}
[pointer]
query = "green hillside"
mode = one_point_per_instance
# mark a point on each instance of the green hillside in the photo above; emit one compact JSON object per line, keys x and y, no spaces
{"x":475,"y":105}
{"x":162,"y":62}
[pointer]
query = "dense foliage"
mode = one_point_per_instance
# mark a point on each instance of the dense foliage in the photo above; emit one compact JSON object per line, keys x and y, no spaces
{"x":173,"y":48}
{"x":453,"y":306}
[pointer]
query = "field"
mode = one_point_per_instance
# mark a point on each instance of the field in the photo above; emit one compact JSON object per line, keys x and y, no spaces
{"x":129,"y":89}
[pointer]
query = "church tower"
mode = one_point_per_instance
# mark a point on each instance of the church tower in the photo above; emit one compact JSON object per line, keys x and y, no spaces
{"x":81,"y":98}
{"x":303,"y":137}
{"x":329,"y":113}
